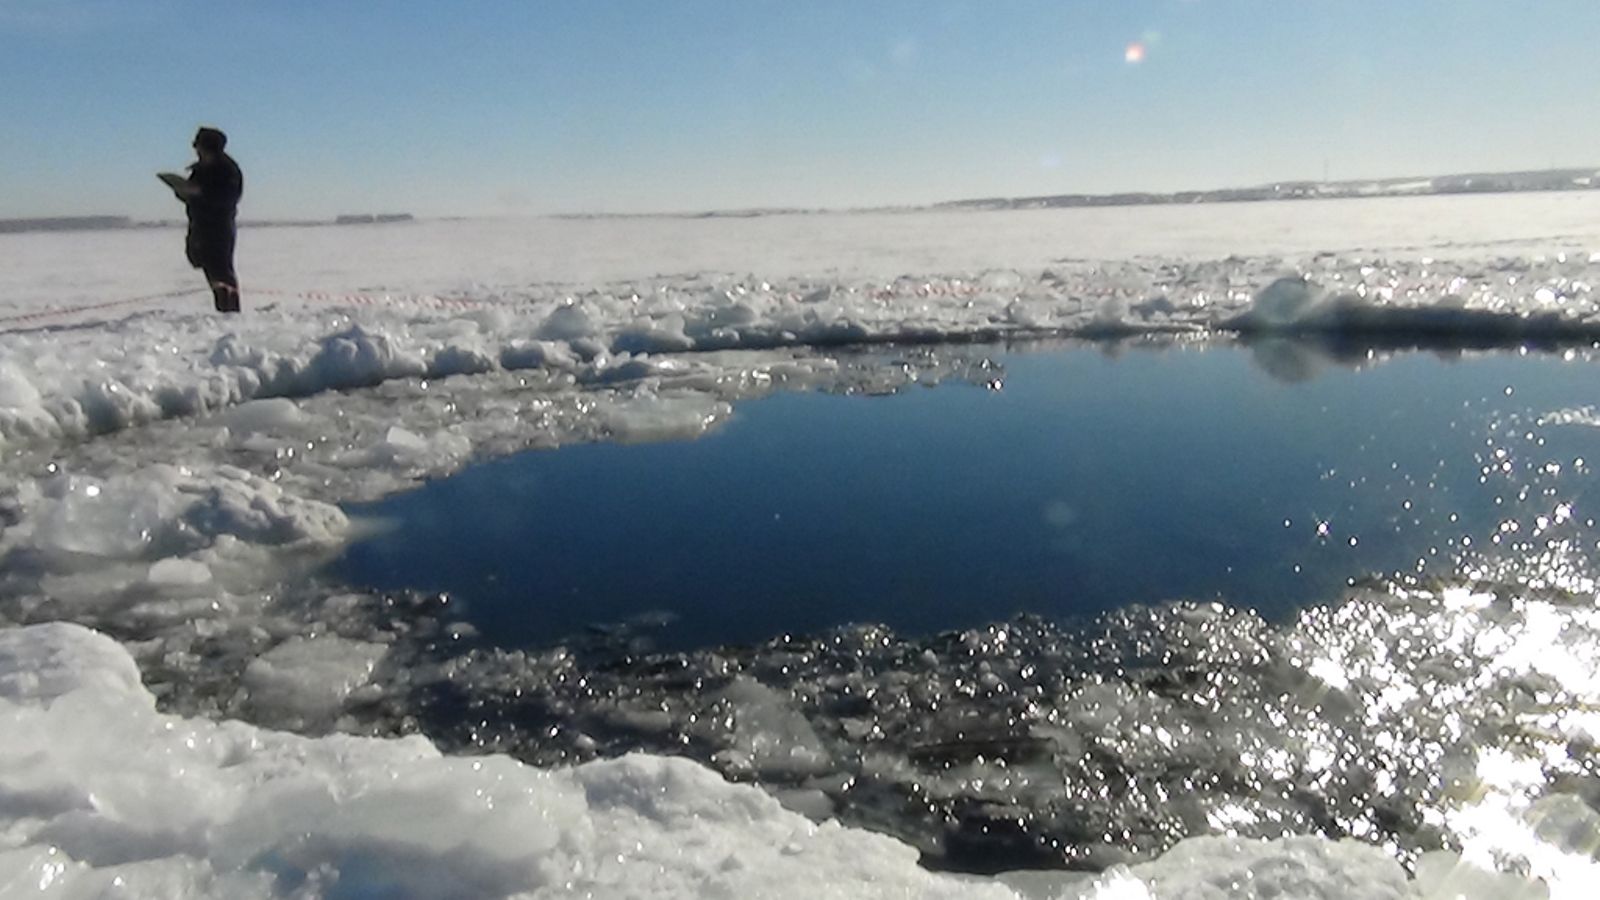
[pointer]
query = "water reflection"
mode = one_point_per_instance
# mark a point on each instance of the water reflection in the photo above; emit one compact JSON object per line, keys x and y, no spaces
{"x":1303,"y":357}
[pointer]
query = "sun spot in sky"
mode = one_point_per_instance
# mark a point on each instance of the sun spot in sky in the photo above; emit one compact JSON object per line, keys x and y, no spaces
{"x":1138,"y":49}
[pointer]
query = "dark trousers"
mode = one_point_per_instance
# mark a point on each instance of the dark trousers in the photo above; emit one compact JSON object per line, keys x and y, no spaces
{"x":224,"y":286}
{"x":213,"y":255}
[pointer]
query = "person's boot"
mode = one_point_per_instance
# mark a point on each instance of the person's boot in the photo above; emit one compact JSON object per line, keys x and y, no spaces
{"x":225,"y":296}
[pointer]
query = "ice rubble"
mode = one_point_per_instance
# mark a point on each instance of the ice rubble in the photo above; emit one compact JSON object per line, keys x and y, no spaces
{"x":105,"y":795}
{"x":158,"y":537}
{"x":69,"y":382}
{"x":102,"y":796}
{"x":182,"y":536}
{"x":1413,"y":719}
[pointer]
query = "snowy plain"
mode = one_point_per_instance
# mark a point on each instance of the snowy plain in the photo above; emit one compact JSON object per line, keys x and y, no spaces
{"x":169,"y":476}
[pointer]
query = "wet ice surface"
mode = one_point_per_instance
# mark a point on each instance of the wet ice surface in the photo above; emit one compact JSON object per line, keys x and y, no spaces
{"x":1058,"y":482}
{"x":1413,"y":720}
{"x":176,"y":480}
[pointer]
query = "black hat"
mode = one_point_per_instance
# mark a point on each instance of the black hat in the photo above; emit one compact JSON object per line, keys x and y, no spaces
{"x":210,"y":139}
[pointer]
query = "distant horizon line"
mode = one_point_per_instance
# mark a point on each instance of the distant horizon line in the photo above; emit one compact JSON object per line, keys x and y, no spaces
{"x":1288,"y":189}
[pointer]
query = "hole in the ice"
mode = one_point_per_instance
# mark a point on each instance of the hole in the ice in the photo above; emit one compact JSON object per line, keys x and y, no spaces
{"x":1089,"y":482}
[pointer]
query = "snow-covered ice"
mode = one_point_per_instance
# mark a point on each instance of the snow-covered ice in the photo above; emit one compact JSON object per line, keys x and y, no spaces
{"x":443,"y":299}
{"x":170,"y":475}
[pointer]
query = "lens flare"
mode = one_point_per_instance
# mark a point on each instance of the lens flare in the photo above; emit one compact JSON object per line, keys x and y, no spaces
{"x":1134,"y":54}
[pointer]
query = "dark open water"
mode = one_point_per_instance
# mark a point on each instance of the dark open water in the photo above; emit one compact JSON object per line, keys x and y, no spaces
{"x":1088,"y":482}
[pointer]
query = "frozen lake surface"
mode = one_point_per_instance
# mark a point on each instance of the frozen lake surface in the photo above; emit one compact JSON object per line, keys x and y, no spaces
{"x":1058,"y":482}
{"x":189,"y":707}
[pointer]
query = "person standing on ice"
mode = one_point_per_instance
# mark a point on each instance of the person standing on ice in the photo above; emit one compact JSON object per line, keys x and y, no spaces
{"x":211,"y":196}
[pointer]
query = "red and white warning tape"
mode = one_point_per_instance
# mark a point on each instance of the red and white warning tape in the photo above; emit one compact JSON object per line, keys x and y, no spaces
{"x":360,"y":298}
{"x":6,"y":322}
{"x":357,"y":298}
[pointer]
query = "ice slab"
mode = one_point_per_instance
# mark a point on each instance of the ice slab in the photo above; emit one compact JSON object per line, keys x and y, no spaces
{"x":302,"y":683}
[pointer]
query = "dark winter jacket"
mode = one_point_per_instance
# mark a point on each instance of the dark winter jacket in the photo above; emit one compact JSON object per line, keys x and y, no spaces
{"x":212,"y":209}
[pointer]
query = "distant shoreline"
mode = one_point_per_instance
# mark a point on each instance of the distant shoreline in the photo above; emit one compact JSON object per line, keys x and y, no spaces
{"x":1537,"y":181}
{"x":1578,"y":179}
{"x":1582,"y":179}
{"x":123,"y":223}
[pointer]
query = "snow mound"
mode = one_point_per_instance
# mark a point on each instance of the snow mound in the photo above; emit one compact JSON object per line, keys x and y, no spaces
{"x":1306,"y":868}
{"x":45,"y":662}
{"x":1295,"y":305}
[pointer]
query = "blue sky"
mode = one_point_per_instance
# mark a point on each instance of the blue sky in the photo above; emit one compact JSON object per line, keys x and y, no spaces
{"x":648,"y":105}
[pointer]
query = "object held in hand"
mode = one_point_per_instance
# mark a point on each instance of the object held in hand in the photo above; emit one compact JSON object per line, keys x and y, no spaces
{"x":179,"y":184}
